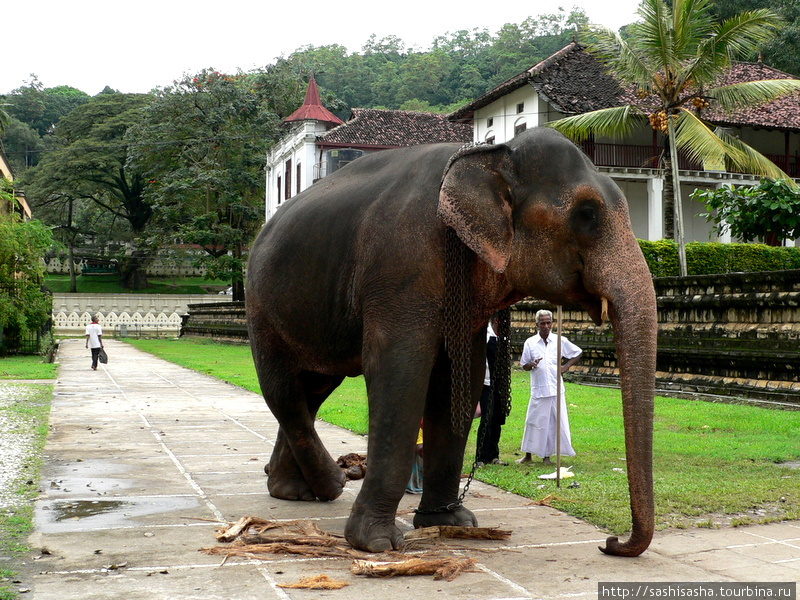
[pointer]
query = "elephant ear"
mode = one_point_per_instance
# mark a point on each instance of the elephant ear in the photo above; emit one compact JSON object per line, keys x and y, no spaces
{"x":475,"y":200}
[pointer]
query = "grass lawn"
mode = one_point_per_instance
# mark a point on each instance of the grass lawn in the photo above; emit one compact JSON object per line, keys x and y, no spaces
{"x":715,"y":464}
{"x":110,"y":284}
{"x":26,"y":367}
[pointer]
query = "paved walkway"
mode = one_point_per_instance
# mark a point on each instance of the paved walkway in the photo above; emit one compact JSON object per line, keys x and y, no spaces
{"x":144,"y":456}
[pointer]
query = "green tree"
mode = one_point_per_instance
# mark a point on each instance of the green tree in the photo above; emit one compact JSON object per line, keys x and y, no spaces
{"x":22,"y":144}
{"x":421,"y":77}
{"x":769,"y":212}
{"x":202,"y":145}
{"x":41,"y":107}
{"x":782,"y":51}
{"x":24,"y":307}
{"x":91,"y":163}
{"x":673,"y":60}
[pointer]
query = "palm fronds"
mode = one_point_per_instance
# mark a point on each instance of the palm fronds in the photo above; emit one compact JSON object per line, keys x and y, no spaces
{"x":612,"y":122}
{"x":751,"y":93}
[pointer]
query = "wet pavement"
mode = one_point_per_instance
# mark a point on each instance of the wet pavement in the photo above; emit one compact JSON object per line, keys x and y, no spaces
{"x":144,"y":458}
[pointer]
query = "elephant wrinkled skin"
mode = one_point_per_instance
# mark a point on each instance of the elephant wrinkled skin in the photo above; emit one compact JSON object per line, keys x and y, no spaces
{"x":348,"y":277}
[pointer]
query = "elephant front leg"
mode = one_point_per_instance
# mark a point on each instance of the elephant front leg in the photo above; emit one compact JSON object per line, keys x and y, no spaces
{"x":443,"y":448}
{"x":396,"y":393}
{"x":390,"y":454}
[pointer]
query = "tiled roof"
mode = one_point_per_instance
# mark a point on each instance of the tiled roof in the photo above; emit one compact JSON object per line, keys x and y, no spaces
{"x":312,"y":108}
{"x":395,"y":128}
{"x":575,"y":82}
{"x":781,"y":113}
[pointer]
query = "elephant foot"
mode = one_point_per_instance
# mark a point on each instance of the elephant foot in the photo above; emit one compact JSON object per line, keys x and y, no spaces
{"x":372,"y":533}
{"x":297,"y":488}
{"x":289,"y":488}
{"x":287,"y":482}
{"x":328,"y":485}
{"x":457,"y":517}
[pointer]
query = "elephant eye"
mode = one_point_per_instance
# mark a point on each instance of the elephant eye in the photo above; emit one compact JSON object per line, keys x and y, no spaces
{"x":586,"y":219}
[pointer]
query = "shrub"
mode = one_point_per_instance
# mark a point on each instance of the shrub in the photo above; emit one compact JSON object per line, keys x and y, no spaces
{"x":707,"y":258}
{"x":769,"y":212}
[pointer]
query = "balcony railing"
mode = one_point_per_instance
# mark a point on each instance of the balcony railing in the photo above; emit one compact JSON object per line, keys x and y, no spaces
{"x":647,"y":157}
{"x":786,"y":163}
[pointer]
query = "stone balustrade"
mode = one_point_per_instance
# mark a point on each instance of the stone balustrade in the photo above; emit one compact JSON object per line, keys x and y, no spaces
{"x":123,"y":315}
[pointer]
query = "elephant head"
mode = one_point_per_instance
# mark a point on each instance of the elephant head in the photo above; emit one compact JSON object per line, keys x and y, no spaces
{"x":548,"y":225}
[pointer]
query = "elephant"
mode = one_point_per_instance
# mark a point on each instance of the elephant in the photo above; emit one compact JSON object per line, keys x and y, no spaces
{"x":352,"y":276}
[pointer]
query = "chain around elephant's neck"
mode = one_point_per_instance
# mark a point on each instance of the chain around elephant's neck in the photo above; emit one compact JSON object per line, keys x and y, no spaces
{"x":457,"y":327}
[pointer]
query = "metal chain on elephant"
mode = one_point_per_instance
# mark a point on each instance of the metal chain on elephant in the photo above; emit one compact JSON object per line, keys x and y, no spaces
{"x":457,"y":321}
{"x":501,"y":383}
{"x":458,"y":343}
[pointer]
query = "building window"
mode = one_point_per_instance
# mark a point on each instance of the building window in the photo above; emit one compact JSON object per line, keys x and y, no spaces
{"x":519,"y":128}
{"x":520,"y":107}
{"x":298,"y":178}
{"x":288,"y":176}
{"x":490,"y":121}
{"x":490,"y":140}
{"x":280,"y":190}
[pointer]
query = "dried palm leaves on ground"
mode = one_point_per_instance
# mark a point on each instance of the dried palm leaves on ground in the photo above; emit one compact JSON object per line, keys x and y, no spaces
{"x":315,"y":582}
{"x":440,"y":568}
{"x":253,"y":537}
{"x":462,"y":533}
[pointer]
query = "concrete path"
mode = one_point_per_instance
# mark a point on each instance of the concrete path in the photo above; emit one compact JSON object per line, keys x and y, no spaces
{"x":144,"y":457}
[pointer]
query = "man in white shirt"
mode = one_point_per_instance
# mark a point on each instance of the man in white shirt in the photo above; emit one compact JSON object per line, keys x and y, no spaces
{"x":539,"y":356}
{"x":94,"y":340}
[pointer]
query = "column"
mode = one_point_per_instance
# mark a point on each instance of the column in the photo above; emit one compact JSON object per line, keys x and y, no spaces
{"x":655,"y":208}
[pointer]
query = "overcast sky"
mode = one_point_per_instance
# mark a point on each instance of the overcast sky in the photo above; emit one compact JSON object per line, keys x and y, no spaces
{"x":136,"y":46}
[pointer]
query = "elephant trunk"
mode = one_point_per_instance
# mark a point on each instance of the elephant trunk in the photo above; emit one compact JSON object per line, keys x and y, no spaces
{"x":634,"y":319}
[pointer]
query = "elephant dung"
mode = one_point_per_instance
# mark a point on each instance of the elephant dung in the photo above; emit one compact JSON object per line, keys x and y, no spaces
{"x":354,"y":465}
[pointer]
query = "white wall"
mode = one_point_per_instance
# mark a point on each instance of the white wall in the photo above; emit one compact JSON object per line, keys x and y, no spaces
{"x":505,"y":117}
{"x":300,"y":147}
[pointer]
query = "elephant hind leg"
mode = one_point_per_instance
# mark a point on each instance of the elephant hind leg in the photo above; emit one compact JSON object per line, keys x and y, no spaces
{"x":300,"y":468}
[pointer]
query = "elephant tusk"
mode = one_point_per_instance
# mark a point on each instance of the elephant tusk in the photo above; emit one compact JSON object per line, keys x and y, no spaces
{"x":604,"y":309}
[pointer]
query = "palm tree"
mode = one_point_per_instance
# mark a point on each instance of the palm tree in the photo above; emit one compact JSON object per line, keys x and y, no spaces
{"x":672,"y":63}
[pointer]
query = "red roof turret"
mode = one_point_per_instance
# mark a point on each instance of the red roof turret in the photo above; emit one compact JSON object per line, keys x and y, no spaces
{"x":312,"y":109}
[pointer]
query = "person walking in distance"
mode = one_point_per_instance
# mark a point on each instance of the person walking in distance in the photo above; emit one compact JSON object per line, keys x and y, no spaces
{"x":539,"y":356}
{"x":94,"y":340}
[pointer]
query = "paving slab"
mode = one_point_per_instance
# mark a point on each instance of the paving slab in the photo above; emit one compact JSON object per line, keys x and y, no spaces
{"x":145,"y":458}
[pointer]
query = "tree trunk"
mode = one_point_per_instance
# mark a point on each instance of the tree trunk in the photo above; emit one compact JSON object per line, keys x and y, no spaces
{"x":238,"y":282}
{"x":668,"y":195}
{"x":677,"y":204}
{"x":133,"y":271}
{"x":73,"y":277}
